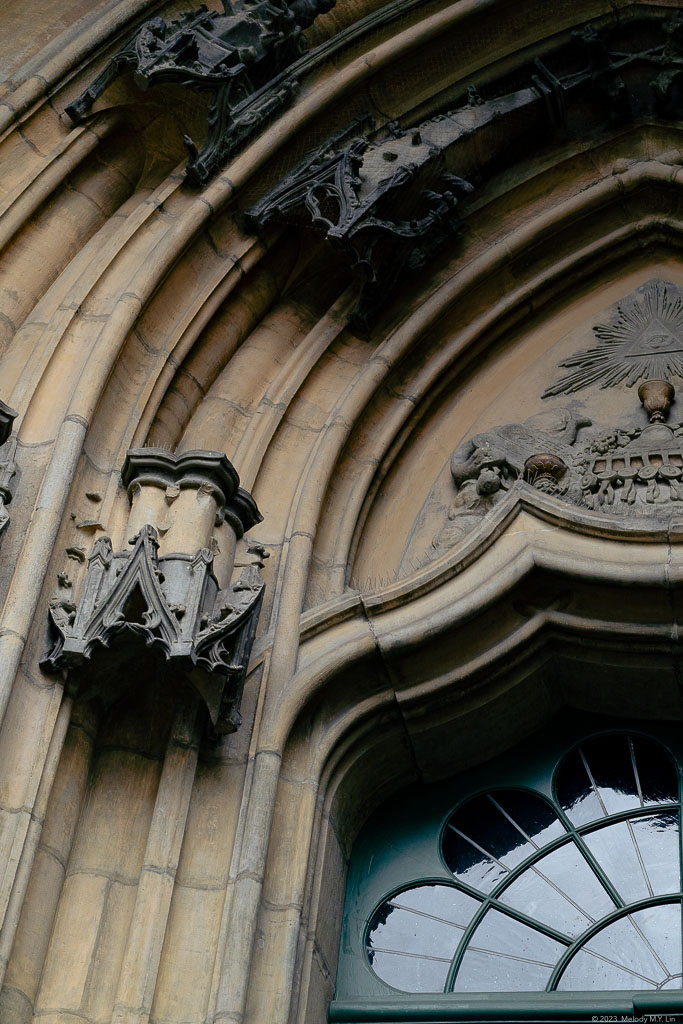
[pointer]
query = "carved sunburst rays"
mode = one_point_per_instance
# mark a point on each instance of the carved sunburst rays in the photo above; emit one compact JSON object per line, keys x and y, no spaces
{"x":645,"y":340}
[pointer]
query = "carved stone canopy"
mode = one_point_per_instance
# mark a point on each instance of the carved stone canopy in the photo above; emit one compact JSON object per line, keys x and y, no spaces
{"x":234,"y":55}
{"x":141,"y":612}
{"x":134,"y":603}
{"x":7,"y":418}
{"x":388,"y":207}
{"x":158,"y":467}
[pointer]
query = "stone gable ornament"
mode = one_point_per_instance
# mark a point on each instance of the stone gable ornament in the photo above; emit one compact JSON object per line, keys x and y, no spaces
{"x":235,"y":55}
{"x":644,"y":340}
{"x":145,"y":609}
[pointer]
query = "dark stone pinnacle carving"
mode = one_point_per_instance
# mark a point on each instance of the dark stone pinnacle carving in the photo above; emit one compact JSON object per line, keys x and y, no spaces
{"x":233,"y":55}
{"x":212,"y":470}
{"x":140,"y":614}
{"x":8,"y":467}
{"x":387,"y":225}
{"x":610,"y":66}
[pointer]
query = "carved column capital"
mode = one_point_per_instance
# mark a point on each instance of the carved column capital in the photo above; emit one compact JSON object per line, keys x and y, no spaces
{"x":158,"y":467}
{"x":209,"y":475}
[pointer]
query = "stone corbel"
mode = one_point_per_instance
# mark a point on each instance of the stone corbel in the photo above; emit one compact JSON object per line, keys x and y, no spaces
{"x":159,"y":603}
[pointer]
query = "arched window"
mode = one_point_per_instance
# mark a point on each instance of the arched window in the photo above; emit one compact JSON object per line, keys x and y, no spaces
{"x":569,"y":884}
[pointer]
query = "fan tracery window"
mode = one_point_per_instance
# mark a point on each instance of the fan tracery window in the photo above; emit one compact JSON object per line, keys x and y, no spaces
{"x":581,"y":892}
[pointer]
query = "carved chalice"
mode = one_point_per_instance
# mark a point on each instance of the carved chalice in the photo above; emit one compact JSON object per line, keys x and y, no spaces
{"x":656,"y":396}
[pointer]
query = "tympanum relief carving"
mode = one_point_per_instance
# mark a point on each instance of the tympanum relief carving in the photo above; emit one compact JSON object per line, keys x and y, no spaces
{"x":629,"y":471}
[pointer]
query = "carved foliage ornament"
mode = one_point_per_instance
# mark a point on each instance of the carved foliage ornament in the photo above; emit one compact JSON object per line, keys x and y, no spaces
{"x":133,"y":600}
{"x":233,"y":55}
{"x":644,"y":340}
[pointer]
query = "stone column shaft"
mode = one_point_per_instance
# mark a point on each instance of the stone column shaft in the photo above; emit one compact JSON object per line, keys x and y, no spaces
{"x":155,"y":888}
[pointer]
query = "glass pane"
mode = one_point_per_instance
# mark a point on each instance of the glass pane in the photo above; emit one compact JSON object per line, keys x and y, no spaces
{"x":570,"y":872}
{"x":512,"y":957}
{"x":536,"y":897}
{"x":485,"y":825}
{"x":658,"y":841}
{"x":487,"y":972}
{"x":411,"y":973}
{"x":656,"y":771}
{"x":575,"y":792}
{"x":530,"y":813}
{"x":609,"y":762}
{"x":468,"y":864}
{"x":615,"y":852}
{"x":440,"y":901}
{"x":502,"y":934}
{"x":639,"y":951}
{"x":661,"y":927}
{"x":395,"y":930}
{"x":623,"y":944}
{"x":588,"y":972}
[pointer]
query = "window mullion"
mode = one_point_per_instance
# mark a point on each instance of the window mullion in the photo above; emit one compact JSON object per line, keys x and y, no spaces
{"x":590,"y":859}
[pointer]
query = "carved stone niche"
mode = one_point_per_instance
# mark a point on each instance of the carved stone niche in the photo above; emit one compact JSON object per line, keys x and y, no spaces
{"x":153,"y":609}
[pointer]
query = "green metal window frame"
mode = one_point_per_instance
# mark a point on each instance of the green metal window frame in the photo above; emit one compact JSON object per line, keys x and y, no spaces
{"x":400,"y":846}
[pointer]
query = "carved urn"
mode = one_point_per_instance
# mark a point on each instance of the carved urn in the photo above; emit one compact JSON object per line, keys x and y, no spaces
{"x":544,"y":471}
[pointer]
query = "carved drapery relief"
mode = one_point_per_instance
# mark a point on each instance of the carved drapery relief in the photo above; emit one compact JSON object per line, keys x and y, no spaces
{"x":138,"y":605}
